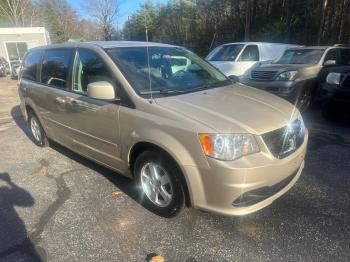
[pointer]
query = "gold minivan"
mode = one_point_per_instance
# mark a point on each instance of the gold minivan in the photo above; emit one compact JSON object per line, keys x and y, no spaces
{"x":163,"y":116}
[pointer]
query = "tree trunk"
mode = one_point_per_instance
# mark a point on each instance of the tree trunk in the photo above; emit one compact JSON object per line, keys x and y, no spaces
{"x":344,"y":17}
{"x":321,"y":28}
{"x":247,"y":22}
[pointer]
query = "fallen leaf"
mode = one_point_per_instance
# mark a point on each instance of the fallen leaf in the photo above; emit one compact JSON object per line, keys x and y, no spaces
{"x":157,"y":259}
{"x":117,"y":193}
{"x":30,"y":231}
{"x":42,"y":171}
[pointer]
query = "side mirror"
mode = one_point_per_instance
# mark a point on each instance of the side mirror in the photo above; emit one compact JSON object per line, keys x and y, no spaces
{"x":333,"y":78}
{"x":101,"y":90}
{"x":329,"y":63}
{"x":234,"y":78}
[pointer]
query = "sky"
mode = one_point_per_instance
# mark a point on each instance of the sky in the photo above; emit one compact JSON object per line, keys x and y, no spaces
{"x":127,"y":8}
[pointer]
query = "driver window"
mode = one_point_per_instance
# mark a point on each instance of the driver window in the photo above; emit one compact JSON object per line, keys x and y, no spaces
{"x":88,"y":68}
{"x":332,"y":55}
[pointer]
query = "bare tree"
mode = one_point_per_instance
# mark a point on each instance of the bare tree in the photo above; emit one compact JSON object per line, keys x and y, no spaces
{"x":16,"y":11}
{"x":105,"y":12}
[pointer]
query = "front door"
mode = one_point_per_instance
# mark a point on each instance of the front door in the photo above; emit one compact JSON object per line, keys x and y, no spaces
{"x":93,"y":124}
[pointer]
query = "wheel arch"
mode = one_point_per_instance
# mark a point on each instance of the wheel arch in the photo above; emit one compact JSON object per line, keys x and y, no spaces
{"x":142,"y":146}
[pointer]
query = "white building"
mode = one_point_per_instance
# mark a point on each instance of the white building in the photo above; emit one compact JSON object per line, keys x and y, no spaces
{"x":15,"y":41}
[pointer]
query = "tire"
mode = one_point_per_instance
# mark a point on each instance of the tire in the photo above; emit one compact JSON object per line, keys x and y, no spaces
{"x":38,"y":134}
{"x":163,"y":184}
{"x":305,"y":100}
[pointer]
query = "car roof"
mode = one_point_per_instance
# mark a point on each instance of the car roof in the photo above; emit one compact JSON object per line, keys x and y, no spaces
{"x":258,"y":43}
{"x":108,"y":44}
{"x":103,"y":44}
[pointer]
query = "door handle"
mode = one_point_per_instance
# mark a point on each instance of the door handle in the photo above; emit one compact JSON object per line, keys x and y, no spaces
{"x":60,"y":100}
{"x":74,"y":102}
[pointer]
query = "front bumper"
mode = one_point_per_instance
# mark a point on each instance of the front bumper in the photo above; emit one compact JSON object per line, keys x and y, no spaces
{"x":335,"y":93}
{"x":259,"y":178}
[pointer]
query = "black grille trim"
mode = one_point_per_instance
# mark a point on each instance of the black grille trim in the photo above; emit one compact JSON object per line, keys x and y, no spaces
{"x":263,"y":75}
{"x":257,"y":195}
{"x":286,"y":140}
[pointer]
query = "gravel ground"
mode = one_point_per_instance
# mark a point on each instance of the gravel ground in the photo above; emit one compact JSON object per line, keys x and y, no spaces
{"x":58,"y":206}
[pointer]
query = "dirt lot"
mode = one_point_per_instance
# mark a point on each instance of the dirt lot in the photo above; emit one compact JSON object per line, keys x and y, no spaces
{"x":58,"y":206}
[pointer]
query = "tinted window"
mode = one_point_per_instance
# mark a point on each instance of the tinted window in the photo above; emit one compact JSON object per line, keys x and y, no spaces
{"x":225,"y":53}
{"x":331,"y":55}
{"x":344,"y":59}
{"x":89,"y":68}
{"x":55,"y":67}
{"x":30,"y":65}
{"x":300,"y":56}
{"x":250,"y":53}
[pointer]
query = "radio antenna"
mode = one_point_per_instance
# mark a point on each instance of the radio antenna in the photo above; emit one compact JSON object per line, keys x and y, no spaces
{"x":148,"y":63}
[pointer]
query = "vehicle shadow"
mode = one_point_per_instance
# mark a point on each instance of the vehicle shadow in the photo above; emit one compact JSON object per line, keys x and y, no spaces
{"x":19,"y":120}
{"x":337,"y":113}
{"x":125,"y":184}
{"x":14,"y":241}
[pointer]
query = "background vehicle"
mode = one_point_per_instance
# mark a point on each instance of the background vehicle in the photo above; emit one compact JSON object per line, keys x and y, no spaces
{"x":299,"y":73}
{"x":236,"y":58}
{"x":337,"y":85}
{"x":4,"y":67}
{"x":335,"y":94}
{"x":15,"y":65}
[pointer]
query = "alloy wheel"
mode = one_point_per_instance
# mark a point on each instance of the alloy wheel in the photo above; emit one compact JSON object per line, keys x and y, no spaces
{"x":156,"y":184}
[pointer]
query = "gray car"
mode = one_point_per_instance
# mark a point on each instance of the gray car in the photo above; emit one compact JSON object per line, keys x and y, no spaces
{"x":295,"y":75}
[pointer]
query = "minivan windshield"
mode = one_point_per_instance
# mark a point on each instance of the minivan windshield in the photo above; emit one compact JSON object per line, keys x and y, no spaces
{"x":300,"y":56}
{"x":226,"y":52}
{"x":166,"y":70}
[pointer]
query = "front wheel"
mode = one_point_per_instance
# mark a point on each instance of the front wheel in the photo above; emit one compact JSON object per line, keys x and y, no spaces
{"x":157,"y":178}
{"x":305,"y":100}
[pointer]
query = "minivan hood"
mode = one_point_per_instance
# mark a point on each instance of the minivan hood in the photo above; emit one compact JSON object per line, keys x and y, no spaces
{"x":236,"y":108}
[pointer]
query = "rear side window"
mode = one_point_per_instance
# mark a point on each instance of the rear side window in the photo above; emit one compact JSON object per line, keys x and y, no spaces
{"x":55,"y":67}
{"x":250,"y":53}
{"x":30,"y":65}
{"x":88,"y":68}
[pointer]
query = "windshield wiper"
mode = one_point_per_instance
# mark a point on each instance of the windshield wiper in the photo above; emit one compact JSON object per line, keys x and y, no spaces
{"x":163,"y":91}
{"x":208,"y":86}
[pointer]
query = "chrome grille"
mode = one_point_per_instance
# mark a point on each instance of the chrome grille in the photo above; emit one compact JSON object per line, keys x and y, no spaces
{"x":263,"y":75}
{"x":286,"y":140}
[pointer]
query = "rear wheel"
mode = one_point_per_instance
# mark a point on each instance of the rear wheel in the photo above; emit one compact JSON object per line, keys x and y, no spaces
{"x":157,"y":178}
{"x":37,"y":131}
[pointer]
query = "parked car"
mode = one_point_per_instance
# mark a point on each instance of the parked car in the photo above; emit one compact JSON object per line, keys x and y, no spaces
{"x":336,"y":88}
{"x":15,"y":67}
{"x":189,"y":137}
{"x":298,"y":74}
{"x":4,"y":67}
{"x":234,"y":59}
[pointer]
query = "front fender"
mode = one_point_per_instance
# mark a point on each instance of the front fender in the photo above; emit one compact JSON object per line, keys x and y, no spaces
{"x":178,"y":151}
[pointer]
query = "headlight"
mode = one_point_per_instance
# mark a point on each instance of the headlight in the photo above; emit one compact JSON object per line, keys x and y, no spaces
{"x":228,"y":146}
{"x":286,"y":76}
{"x":333,"y":78}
